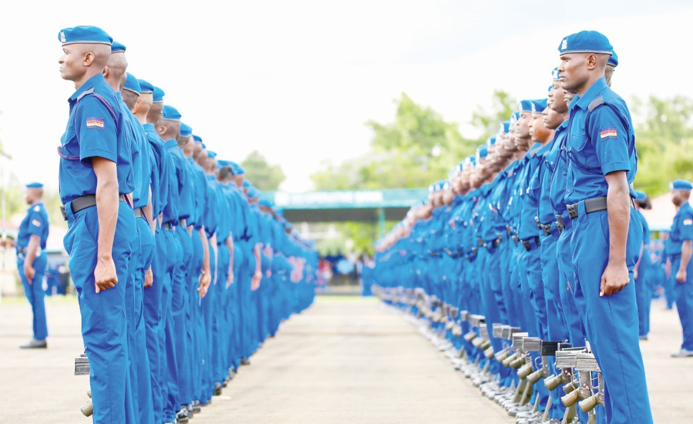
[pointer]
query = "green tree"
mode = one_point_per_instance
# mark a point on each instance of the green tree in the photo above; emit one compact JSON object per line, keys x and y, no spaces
{"x":414,"y":150}
{"x":263,"y":175}
{"x":664,"y":139}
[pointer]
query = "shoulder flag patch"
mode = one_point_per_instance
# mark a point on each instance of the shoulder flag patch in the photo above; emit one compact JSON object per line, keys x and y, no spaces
{"x":608,"y":133}
{"x":688,"y":222}
{"x":97,"y":123}
{"x":36,"y":222}
{"x":37,"y":208}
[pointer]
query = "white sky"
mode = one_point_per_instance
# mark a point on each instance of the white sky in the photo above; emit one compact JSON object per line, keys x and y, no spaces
{"x":297,"y":80}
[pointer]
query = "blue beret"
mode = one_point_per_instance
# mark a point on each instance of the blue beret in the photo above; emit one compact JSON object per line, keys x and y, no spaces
{"x":252,"y":192}
{"x":34,"y":185}
{"x":158,"y":95}
{"x":640,"y":195}
{"x":680,"y":185}
{"x":117,"y":47}
{"x":525,"y":106}
{"x":171,"y":113}
{"x":432,"y":188}
{"x":197,"y":138}
{"x":132,"y":84}
{"x":481,"y":152}
{"x":266,"y":203}
{"x":237,"y":169}
{"x":185,"y":130}
{"x":211,"y":154}
{"x":470,"y":160}
{"x":84,"y":34}
{"x":555,"y":75}
{"x":613,"y":59}
{"x":515,"y":116}
{"x":204,"y":146}
{"x":585,"y":42}
{"x":145,"y":87}
{"x":246,"y":183}
{"x":490,"y":141}
{"x":504,"y":127}
{"x":459,"y":167}
{"x":539,"y":105}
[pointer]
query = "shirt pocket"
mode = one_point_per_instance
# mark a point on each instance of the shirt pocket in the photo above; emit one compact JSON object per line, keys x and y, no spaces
{"x":69,"y":146}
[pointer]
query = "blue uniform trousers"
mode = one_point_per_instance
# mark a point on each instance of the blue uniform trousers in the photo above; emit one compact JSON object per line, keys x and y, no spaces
{"x":198,"y":343}
{"x":174,"y":302}
{"x":613,"y":320}
{"x":143,"y":390}
{"x":179,"y":311}
{"x":104,"y":320}
{"x":34,"y":293}
{"x":490,"y":290}
{"x":643,"y":293}
{"x":153,"y":311}
{"x":219,"y":326}
{"x":557,"y":330}
{"x":207,"y":316}
{"x":684,"y":302}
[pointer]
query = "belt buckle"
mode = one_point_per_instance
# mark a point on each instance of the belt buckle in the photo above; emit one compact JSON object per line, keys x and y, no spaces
{"x":572,"y":211}
{"x":547,"y":229}
{"x":526,"y":245}
{"x":497,"y":242}
{"x":62,"y":211}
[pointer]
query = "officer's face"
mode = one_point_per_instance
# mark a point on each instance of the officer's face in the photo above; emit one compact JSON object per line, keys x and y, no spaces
{"x":557,"y":96}
{"x":538,"y":129}
{"x":522,"y":127}
{"x":552,"y":119}
{"x":74,"y":62}
{"x":573,"y":70}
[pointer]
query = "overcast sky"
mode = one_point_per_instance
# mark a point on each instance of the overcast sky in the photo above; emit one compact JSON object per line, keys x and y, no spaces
{"x":297,"y":80}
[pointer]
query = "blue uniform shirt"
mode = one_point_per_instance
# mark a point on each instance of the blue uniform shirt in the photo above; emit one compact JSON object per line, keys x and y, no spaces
{"x":559,"y":174}
{"x":681,"y":229}
{"x":200,"y":194}
{"x":599,"y":142}
{"x":144,"y":185}
{"x":532,"y":188}
{"x":160,"y":170}
{"x":181,"y":168}
{"x":35,"y":223}
{"x":95,"y":128}
{"x":129,"y":122}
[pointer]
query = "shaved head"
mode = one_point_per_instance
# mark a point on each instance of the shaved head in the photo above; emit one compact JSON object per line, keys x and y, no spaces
{"x":80,"y":62}
{"x":115,"y":70}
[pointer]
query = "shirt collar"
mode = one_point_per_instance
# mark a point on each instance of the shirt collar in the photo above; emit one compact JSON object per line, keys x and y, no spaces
{"x":592,"y":93}
{"x":171,"y":143}
{"x":88,"y":85}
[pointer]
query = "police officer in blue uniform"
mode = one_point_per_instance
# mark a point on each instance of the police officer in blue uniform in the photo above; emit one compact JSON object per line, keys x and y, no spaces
{"x":681,"y":236}
{"x":605,"y":241}
{"x":95,"y":177}
{"x":31,"y":261}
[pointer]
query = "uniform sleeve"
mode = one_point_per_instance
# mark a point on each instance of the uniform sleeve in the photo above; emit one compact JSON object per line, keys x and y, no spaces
{"x":96,"y":130}
{"x":686,"y":229}
{"x":36,"y":223}
{"x":611,"y":140}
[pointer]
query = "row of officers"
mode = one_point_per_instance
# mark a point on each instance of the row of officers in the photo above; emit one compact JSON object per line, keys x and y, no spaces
{"x":539,"y":234}
{"x":182,"y":270}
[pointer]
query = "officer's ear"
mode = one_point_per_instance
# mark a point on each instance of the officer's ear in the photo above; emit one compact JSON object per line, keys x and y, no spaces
{"x":89,"y":59}
{"x":136,"y":108}
{"x":106,"y":71}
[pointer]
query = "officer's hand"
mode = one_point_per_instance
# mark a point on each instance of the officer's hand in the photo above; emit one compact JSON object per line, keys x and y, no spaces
{"x":148,"y":279}
{"x":203,"y":284}
{"x":229,"y":280}
{"x":681,"y":275}
{"x":268,"y":273}
{"x":105,"y":274}
{"x":614,"y":279}
{"x":255,"y":283}
{"x":29,"y":272}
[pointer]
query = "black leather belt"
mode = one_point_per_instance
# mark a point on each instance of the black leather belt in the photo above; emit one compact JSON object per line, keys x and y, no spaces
{"x":167,"y":226}
{"x":591,"y":205}
{"x":84,"y":202}
{"x":139,"y":213}
{"x":676,"y":256}
{"x":527,"y":244}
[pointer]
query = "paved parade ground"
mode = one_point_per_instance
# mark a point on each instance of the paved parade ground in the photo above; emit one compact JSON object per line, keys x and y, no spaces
{"x":345,"y":360}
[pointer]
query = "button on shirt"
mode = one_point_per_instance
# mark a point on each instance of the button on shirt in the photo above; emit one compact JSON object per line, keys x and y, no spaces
{"x":35,"y":223}
{"x":599,"y":142}
{"x":95,"y":128}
